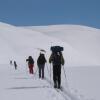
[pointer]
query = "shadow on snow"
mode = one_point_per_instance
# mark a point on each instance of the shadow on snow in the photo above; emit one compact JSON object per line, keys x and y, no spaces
{"x":33,"y":87}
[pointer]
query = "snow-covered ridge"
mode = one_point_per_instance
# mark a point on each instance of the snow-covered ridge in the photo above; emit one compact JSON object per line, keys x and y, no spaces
{"x":62,"y":27}
{"x":85,"y":40}
{"x":81,"y":44}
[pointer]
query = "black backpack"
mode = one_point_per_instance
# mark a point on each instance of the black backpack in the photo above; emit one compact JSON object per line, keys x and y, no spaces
{"x":56,"y":49}
{"x":56,"y":59}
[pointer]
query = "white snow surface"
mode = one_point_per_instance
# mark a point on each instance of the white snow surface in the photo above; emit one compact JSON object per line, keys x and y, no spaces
{"x":83,"y":41}
{"x":81,"y":53}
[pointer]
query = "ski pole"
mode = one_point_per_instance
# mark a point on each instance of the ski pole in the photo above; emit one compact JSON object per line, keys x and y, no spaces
{"x":50,"y":72}
{"x":65,"y":76}
{"x":35,"y":71}
{"x":26,"y":67}
{"x":47,"y":68}
{"x":64,"y":72}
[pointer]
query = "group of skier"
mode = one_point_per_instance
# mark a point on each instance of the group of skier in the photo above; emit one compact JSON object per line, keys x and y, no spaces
{"x":40,"y":63}
{"x":56,"y":59}
{"x":13,"y":63}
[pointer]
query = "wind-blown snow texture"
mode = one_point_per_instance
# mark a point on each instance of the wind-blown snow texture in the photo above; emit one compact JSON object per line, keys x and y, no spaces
{"x":81,"y":48}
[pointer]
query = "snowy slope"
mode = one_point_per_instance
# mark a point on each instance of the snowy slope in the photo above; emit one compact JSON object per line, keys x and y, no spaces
{"x":20,"y":42}
{"x":17,"y":43}
{"x":19,"y":85}
{"x":85,"y":40}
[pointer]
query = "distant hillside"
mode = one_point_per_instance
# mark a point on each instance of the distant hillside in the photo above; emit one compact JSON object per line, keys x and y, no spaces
{"x":81,"y":46}
{"x":83,"y":39}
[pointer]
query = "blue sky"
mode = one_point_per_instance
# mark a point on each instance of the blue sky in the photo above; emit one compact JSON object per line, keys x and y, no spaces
{"x":48,"y":12}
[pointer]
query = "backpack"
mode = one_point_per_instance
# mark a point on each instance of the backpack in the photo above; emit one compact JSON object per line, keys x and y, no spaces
{"x":56,"y":59}
{"x":56,"y":49}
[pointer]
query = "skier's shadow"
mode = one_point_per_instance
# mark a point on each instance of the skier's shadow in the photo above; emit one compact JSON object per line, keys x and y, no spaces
{"x":22,"y":78}
{"x":33,"y":87}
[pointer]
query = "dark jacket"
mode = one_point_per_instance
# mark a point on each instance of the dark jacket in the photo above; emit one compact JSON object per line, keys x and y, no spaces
{"x":56,"y":59}
{"x":41,"y":59}
{"x":30,"y":60}
{"x":15,"y":64}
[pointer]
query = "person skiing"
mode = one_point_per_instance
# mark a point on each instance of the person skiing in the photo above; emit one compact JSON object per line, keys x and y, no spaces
{"x":57,"y":60}
{"x":15,"y":65}
{"x":41,"y":64}
{"x":10,"y":62}
{"x":30,"y":64}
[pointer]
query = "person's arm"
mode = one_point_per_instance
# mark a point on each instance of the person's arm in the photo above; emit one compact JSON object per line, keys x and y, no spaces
{"x":45,"y":59}
{"x":27,"y":59}
{"x":50,"y":59}
{"x":62,"y":60}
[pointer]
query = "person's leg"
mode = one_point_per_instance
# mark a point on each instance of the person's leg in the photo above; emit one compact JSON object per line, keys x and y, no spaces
{"x":55,"y":76}
{"x":42,"y":70}
{"x":59,"y":76}
{"x":15,"y":67}
{"x":31,"y":68}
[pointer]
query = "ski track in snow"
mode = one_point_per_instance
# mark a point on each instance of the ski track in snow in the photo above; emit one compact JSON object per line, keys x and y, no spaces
{"x":16,"y":83}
